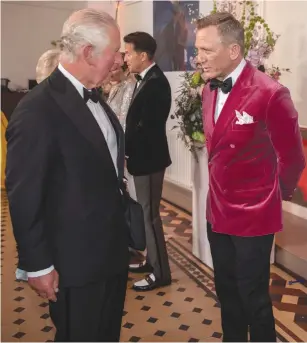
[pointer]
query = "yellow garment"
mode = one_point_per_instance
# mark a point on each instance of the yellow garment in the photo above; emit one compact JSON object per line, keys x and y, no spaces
{"x":3,"y":149}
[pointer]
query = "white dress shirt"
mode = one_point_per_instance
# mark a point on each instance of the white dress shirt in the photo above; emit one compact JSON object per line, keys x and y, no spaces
{"x":106,"y":127}
{"x":222,"y":97}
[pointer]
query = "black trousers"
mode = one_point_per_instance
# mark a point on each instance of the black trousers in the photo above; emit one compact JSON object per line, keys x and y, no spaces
{"x":148,"y":190}
{"x":92,"y":313}
{"x":242,"y":276}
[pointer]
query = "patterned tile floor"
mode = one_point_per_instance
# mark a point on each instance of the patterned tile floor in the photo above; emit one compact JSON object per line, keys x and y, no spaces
{"x":185,"y":311}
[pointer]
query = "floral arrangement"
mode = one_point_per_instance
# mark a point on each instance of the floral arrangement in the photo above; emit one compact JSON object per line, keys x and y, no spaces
{"x":189,"y":112}
{"x":259,"y":38}
{"x":259,"y":44}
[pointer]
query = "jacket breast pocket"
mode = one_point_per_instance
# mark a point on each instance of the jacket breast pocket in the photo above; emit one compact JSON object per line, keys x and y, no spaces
{"x":245,"y":127}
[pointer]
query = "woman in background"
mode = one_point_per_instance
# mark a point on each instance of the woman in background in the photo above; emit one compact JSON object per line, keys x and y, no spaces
{"x":122,"y":87}
{"x":45,"y":66}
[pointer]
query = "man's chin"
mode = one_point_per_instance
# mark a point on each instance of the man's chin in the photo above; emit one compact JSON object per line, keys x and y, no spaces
{"x":209,"y":76}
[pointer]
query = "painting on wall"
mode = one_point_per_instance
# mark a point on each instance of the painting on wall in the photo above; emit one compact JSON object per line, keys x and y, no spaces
{"x":300,"y":195}
{"x":174,"y":31}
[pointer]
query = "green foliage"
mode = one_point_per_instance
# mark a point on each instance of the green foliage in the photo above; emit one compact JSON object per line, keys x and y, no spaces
{"x":188,"y":111}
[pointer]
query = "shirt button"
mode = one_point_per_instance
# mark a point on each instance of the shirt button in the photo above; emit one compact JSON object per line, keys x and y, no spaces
{"x":232,"y":146}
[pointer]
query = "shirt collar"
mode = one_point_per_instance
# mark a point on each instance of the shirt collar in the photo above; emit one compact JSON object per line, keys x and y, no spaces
{"x":144,"y":72}
{"x":78,"y":85}
{"x":236,"y":73}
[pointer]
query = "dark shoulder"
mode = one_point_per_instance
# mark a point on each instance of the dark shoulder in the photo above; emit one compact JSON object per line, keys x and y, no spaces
{"x":33,"y":115}
{"x":36,"y":103}
{"x":158,"y":78}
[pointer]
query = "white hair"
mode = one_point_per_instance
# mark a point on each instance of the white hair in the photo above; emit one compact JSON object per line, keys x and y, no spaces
{"x":86,"y":27}
{"x":46,"y":64}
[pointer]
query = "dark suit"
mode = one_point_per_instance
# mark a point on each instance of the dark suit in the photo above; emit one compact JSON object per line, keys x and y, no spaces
{"x":148,"y":157}
{"x":66,"y":206}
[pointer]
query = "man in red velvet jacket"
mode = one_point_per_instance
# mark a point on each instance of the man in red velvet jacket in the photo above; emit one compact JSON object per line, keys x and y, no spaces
{"x":255,"y":159}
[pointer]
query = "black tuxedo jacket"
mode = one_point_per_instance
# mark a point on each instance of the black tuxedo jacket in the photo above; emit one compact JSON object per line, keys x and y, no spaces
{"x":63,"y":190}
{"x":145,"y":136}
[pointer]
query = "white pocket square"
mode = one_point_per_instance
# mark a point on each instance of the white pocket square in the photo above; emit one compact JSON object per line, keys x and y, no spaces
{"x":243,"y":118}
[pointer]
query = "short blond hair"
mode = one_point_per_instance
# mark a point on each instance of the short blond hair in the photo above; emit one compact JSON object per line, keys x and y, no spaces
{"x":229,"y":28}
{"x":46,"y":64}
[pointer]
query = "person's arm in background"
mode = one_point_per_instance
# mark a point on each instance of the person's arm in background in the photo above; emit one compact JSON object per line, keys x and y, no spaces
{"x":128,"y":89}
{"x":284,"y":131}
{"x":28,"y":154}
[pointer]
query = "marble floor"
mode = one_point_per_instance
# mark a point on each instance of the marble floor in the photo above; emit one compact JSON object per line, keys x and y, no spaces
{"x":187,"y":310}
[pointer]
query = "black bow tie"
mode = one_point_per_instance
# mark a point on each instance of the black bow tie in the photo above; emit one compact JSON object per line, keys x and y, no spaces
{"x":224,"y":85}
{"x":138,"y":77}
{"x":92,"y":94}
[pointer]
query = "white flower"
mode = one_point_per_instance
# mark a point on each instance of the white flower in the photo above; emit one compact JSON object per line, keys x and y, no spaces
{"x":254,"y":57}
{"x":193,"y":92}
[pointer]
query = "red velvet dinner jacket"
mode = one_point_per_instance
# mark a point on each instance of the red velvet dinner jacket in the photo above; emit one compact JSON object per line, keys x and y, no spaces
{"x":252,"y":167}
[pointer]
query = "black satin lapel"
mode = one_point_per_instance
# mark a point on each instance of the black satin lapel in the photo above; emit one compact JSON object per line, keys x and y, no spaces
{"x":73,"y":105}
{"x":137,"y":91}
{"x":151,"y":73}
{"x":119,"y":135}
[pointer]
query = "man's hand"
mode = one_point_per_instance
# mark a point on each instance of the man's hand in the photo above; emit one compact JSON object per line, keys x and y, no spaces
{"x":46,"y":286}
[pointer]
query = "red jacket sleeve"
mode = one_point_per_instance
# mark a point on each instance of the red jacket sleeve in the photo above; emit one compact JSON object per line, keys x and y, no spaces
{"x":283,"y":128}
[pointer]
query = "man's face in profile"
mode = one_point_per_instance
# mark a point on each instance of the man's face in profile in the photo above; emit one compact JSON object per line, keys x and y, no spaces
{"x":213,"y":55}
{"x":133,"y":58}
{"x":108,"y":60}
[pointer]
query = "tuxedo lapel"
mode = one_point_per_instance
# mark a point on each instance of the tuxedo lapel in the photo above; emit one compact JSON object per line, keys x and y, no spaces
{"x":237,"y":97}
{"x":73,"y":105}
{"x":151,"y":72}
{"x":209,"y":101}
{"x":138,"y":89}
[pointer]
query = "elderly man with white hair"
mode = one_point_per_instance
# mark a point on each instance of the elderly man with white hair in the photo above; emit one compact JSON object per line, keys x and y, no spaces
{"x":65,"y":165}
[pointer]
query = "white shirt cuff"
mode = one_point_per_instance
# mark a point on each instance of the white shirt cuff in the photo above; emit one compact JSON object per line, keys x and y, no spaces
{"x":41,"y":272}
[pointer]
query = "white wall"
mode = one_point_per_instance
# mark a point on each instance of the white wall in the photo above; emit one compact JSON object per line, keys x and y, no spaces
{"x":288,"y":18}
{"x":104,"y":5}
{"x":27,"y":28}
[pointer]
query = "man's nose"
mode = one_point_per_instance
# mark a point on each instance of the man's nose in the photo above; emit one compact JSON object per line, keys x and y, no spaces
{"x":119,"y":59}
{"x":202,"y":58}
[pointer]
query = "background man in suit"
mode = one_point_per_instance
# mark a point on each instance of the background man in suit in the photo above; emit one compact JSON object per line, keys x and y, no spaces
{"x":147,"y":151}
{"x":64,"y":167}
{"x":255,"y":160}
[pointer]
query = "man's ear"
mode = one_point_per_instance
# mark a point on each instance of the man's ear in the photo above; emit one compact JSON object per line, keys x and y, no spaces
{"x":144,"y":56}
{"x":88,"y":54}
{"x":235,"y":51}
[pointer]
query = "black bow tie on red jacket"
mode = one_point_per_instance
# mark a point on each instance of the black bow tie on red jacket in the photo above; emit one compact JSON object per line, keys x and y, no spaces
{"x":225,"y":86}
{"x":92,"y":94}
